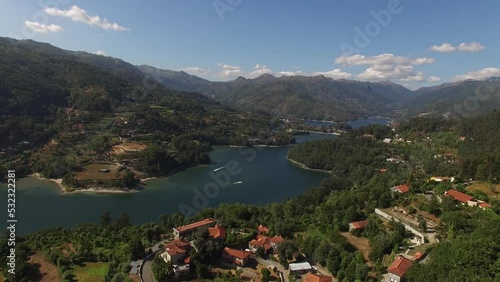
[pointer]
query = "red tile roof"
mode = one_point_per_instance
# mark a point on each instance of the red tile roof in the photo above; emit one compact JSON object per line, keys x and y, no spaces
{"x":317,"y":278}
{"x":237,"y":253}
{"x":261,"y":242}
{"x":194,"y":225}
{"x":418,"y":255}
{"x":187,"y":260}
{"x":459,"y":196}
{"x":402,"y":188}
{"x":360,"y":224}
{"x":217,"y":232}
{"x":277,"y":239}
{"x":180,"y":243}
{"x":174,"y":250}
{"x":484,"y":205}
{"x":399,"y":266}
{"x":263,"y":229}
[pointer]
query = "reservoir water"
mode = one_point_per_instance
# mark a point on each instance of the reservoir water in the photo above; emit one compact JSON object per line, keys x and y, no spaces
{"x":259,"y":176}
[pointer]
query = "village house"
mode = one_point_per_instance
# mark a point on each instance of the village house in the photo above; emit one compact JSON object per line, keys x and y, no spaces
{"x":310,"y":277}
{"x":442,"y":179}
{"x":186,"y":230}
{"x":176,"y":251}
{"x":358,"y":225}
{"x":237,"y":257}
{"x":260,"y":242}
{"x":299,"y":268}
{"x":275,"y":241}
{"x":465,"y":199}
{"x":262,"y":230}
{"x":401,"y":189}
{"x":267,"y":243}
{"x":217,"y":232}
{"x":398,"y":269}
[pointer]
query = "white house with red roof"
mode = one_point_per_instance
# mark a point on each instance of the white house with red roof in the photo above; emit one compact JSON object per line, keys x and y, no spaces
{"x":398,"y":269}
{"x":234,"y":256}
{"x":401,"y":189}
{"x":186,"y":230}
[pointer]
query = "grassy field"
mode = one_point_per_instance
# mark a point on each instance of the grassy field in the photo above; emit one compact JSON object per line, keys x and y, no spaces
{"x":360,"y":243}
{"x":91,"y":272}
{"x":491,"y":190}
{"x":91,"y":172}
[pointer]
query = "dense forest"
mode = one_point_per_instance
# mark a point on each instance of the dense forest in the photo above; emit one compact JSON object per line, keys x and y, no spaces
{"x":315,"y":224}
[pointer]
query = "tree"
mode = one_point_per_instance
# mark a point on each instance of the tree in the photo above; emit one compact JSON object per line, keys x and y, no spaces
{"x":105,"y":219}
{"x":266,"y":274}
{"x":136,"y":249}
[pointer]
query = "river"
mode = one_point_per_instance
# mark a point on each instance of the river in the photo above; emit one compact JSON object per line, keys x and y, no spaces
{"x":249,"y":175}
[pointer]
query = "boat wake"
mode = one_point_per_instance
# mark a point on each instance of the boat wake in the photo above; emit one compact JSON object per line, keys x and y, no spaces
{"x":217,"y":169}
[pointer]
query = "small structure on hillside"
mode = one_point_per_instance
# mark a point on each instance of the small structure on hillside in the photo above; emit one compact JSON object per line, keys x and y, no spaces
{"x":358,"y":225}
{"x":401,"y":189}
{"x":300,"y":267}
{"x":398,"y":269}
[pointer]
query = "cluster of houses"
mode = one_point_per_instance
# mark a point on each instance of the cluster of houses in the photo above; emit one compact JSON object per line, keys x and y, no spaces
{"x":177,"y":251}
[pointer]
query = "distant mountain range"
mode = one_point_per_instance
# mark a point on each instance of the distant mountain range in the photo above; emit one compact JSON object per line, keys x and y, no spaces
{"x":313,"y":97}
{"x":319,"y":97}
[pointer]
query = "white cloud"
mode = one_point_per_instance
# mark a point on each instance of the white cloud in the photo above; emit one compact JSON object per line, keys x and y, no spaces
{"x":291,"y":73}
{"x":229,"y":71}
{"x":434,"y":79}
{"x":464,"y":47}
{"x":381,"y":60}
{"x":100,"y":52}
{"x":260,"y":70}
{"x":79,"y":15}
{"x":470,"y":47}
{"x":195,"y":70}
{"x":478,"y":74}
{"x":42,"y":28}
{"x":386,"y":66}
{"x":443,"y":48}
{"x":335,"y":74}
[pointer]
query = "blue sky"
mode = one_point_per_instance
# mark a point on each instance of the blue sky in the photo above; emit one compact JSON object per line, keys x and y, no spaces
{"x":414,"y":43}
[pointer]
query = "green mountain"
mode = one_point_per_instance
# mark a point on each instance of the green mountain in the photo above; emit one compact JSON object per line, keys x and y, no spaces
{"x":458,"y":99}
{"x":315,"y":97}
{"x":60,"y":110}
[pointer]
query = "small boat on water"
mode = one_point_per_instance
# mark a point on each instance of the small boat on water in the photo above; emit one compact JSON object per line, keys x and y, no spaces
{"x":238,"y":182}
{"x":217,"y":169}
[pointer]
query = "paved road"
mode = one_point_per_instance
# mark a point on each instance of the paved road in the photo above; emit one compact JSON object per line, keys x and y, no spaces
{"x":147,"y":274}
{"x":271,"y":263}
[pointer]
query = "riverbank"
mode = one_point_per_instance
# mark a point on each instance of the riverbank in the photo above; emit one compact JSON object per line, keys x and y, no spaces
{"x":331,"y":133}
{"x":65,"y":190}
{"x":303,"y":166}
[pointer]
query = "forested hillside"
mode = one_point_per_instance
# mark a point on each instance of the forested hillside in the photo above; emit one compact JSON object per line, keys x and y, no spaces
{"x":314,"y":97}
{"x":315,"y":224}
{"x":62,"y":110}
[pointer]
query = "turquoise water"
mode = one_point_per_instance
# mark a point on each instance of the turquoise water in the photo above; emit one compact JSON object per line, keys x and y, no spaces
{"x":251,"y":175}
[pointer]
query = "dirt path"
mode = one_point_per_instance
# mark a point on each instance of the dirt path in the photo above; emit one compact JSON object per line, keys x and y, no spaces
{"x":360,"y":243}
{"x":47,"y":271}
